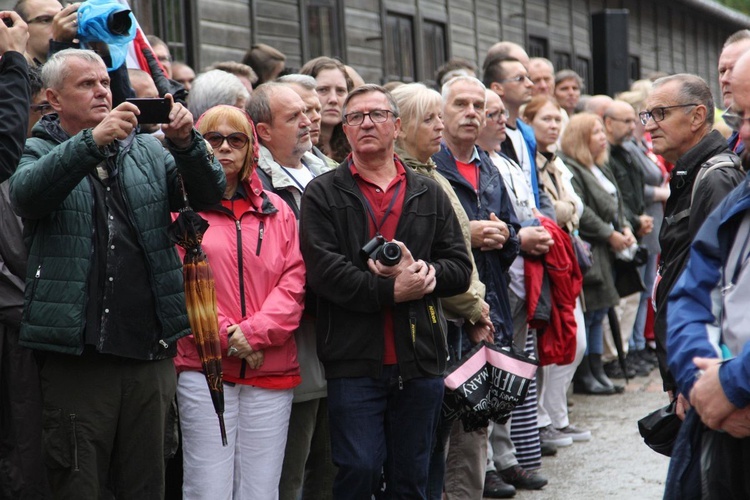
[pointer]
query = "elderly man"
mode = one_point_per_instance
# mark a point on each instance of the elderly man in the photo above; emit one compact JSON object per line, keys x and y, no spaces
{"x":735,"y":46}
{"x":480,"y":188}
{"x":284,"y":115}
{"x":679,"y":116}
{"x":619,"y":125}
{"x":104,"y":298}
{"x":719,"y":392}
{"x":378,"y":325}
{"x":306,"y":87}
{"x":283,"y":128}
{"x":542,"y":74}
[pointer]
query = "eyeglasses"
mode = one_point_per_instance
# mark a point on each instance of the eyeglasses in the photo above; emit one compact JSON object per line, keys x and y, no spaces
{"x":358,"y":118}
{"x":237,"y":140}
{"x":734,"y":121}
{"x":517,"y":79}
{"x":497,"y":114}
{"x":42,"y":108}
{"x":41,"y":20}
{"x":658,"y":114}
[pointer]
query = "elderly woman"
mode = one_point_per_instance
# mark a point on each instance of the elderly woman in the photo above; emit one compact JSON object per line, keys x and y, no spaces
{"x":585,"y":151}
{"x":216,"y":87}
{"x":420,"y":137}
{"x":544,"y":114}
{"x":252,"y":245}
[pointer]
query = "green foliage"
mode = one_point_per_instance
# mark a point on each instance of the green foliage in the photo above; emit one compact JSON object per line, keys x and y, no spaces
{"x":740,"y":5}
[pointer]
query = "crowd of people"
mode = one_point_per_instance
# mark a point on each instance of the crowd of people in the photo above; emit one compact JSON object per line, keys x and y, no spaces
{"x":363,"y":240}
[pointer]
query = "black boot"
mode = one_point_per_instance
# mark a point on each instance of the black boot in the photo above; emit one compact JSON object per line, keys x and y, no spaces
{"x":597,"y":370}
{"x":585,"y":382}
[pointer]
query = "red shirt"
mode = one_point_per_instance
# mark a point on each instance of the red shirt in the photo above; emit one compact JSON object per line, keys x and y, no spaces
{"x":470,"y":172}
{"x":379,"y":201}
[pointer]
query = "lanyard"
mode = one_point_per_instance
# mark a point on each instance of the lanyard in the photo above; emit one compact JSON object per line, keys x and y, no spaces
{"x":298,"y":183}
{"x":371,"y":212}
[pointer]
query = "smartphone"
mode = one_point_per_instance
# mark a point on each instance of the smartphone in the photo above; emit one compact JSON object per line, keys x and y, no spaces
{"x":153,"y":109}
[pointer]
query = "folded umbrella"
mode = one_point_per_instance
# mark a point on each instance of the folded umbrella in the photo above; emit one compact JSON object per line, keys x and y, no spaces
{"x":200,"y":299}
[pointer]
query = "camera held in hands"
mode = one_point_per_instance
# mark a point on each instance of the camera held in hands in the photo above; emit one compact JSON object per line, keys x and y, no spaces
{"x":387,"y":253}
{"x":8,"y":22}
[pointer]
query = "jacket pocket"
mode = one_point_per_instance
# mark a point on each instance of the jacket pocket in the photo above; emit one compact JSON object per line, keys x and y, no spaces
{"x":32,"y":293}
{"x":59,"y":439}
{"x":427,"y":330}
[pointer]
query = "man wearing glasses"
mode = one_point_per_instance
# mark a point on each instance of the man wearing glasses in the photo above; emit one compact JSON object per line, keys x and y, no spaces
{"x":711,"y":371}
{"x":679,"y":116}
{"x":380,"y":330}
{"x":49,"y":23}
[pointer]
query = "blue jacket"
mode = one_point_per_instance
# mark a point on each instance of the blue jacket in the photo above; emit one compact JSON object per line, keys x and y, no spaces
{"x":493,"y":265}
{"x":689,"y":309}
{"x":528,"y":136}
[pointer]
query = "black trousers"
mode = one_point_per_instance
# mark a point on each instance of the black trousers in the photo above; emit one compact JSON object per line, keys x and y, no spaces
{"x":104,"y":425}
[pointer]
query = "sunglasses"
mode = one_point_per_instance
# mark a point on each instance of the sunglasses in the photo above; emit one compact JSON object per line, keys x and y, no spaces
{"x":236,"y":140}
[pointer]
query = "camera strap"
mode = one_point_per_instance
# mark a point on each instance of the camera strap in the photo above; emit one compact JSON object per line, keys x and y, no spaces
{"x":371,"y":212}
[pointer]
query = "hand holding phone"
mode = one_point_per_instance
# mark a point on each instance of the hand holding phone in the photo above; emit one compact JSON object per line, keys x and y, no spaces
{"x":152,"y":110}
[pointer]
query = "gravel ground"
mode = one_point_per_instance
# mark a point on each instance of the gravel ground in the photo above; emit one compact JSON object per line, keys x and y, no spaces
{"x":615,"y":464}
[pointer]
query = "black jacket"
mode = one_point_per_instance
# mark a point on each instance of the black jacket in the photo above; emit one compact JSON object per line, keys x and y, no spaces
{"x":334,"y":226}
{"x":15,"y":97}
{"x":675,"y":237}
{"x":629,"y":183}
{"x":492,"y":266}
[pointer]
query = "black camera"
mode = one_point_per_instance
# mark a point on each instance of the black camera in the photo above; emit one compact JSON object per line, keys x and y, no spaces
{"x":387,"y":253}
{"x":8,"y":22}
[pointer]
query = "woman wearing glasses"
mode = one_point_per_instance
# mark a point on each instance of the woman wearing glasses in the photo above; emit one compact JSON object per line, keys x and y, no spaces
{"x":252,"y":246}
{"x":585,"y":151}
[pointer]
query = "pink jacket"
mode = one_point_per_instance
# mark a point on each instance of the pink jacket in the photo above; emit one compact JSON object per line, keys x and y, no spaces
{"x":272,"y":280}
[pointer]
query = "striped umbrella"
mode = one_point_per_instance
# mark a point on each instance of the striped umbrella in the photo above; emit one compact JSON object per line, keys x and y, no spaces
{"x":200,"y":299}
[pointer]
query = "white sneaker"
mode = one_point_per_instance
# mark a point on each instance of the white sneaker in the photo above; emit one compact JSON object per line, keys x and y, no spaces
{"x":575,"y":433}
{"x":549,"y":434}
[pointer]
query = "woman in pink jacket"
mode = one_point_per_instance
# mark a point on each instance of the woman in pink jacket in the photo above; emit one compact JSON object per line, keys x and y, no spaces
{"x":253,"y":249}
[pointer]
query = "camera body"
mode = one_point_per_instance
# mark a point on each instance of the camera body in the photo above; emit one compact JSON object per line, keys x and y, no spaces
{"x":387,"y":253}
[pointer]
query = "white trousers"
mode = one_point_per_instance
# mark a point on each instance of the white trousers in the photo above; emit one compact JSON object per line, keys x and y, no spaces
{"x":249,"y":467}
{"x":553,"y":381}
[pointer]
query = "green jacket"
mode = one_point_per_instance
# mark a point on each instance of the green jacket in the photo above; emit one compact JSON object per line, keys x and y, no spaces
{"x":52,"y":192}
{"x":599,"y":215}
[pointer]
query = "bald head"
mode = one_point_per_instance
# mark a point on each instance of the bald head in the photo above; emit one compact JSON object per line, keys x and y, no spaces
{"x":619,"y":122}
{"x":142,"y":83}
{"x":508,"y":49}
{"x":598,"y":104}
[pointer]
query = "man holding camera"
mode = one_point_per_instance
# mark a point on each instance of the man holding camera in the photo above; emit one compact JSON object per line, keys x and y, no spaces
{"x":380,"y":328}
{"x":104,"y":296}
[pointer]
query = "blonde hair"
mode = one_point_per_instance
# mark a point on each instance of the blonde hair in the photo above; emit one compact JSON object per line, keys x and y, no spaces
{"x":413,"y":99}
{"x":577,"y":137}
{"x":237,"y":120}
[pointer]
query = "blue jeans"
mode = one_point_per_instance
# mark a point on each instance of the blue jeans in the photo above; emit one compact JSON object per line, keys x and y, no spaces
{"x":594,"y":332}
{"x":378,"y":425}
{"x":648,"y":272}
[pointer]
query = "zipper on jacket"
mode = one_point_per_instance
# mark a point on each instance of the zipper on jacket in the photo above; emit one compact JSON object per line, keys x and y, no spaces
{"x":400,"y":383}
{"x":241,"y":276}
{"x":74,"y":437}
{"x":261,"y":230}
{"x":37,"y":275}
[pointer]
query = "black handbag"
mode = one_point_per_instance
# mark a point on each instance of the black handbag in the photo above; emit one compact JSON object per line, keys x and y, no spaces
{"x":659,"y":428}
{"x":628,"y":278}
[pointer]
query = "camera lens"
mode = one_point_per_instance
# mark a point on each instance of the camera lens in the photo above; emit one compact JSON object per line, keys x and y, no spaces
{"x":390,"y":254}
